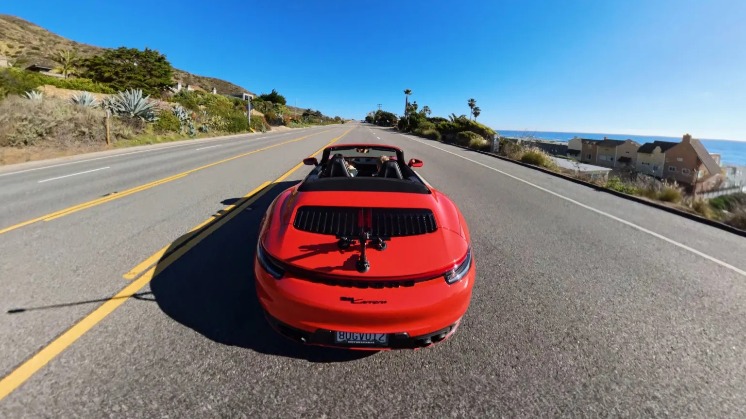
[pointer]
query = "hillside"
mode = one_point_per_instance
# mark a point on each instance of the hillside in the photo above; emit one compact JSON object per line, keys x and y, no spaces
{"x":26,"y":43}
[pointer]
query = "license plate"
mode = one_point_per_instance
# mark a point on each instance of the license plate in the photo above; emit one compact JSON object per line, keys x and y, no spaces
{"x":373,"y":339}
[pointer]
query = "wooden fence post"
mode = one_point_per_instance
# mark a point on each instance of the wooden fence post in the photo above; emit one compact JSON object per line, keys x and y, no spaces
{"x":108,"y":130}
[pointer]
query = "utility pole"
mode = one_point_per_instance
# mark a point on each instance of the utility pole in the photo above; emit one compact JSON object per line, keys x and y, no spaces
{"x":379,"y":106}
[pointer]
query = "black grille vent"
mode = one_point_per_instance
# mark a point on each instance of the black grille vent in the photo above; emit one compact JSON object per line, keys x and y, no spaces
{"x":391,"y":222}
{"x":386,"y":222}
{"x":340,"y":221}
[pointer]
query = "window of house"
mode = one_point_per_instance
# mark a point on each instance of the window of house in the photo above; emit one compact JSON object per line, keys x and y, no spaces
{"x":671,"y":169}
{"x":655,"y":167}
{"x":589,"y":156}
{"x":685,"y":171}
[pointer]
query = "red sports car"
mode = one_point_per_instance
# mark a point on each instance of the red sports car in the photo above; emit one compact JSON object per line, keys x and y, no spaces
{"x":364,"y":254}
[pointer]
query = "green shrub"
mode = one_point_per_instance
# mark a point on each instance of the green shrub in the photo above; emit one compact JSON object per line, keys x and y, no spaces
{"x":479,"y":144}
{"x":616,"y":184}
{"x":80,"y":84}
{"x":167,"y":122}
{"x":235,"y":123}
{"x":450,"y":129}
{"x":464,"y":138}
{"x":669,"y":194}
{"x":430,"y":133}
{"x":259,"y":124}
{"x":729,"y":202}
{"x":17,"y":81}
{"x":537,"y":157}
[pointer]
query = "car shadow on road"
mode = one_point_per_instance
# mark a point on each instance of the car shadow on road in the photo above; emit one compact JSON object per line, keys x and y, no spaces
{"x":211,"y":290}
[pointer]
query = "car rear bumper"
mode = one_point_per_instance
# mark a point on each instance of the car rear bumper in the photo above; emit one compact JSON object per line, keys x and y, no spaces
{"x":411,"y":317}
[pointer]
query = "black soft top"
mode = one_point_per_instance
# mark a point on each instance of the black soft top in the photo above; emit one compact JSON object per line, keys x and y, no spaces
{"x":362,"y":184}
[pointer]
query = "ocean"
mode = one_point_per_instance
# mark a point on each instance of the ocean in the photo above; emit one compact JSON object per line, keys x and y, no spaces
{"x":731,"y":152}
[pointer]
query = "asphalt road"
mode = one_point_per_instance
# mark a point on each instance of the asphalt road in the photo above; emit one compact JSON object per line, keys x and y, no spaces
{"x":585,"y":304}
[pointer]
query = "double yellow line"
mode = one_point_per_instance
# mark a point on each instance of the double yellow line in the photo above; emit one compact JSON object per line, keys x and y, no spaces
{"x":162,"y":259}
{"x":117,"y":195}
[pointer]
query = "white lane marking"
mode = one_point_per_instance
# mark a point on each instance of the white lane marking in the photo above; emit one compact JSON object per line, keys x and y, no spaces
{"x":378,"y":138}
{"x":597,"y":211}
{"x":262,"y":137}
{"x":205,"y":148}
{"x":75,"y":174}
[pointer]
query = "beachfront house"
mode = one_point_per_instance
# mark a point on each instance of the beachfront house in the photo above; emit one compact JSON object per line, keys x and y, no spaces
{"x":589,"y":150}
{"x":651,"y":157}
{"x":616,"y":153}
{"x":689,"y":164}
{"x":574,"y":148}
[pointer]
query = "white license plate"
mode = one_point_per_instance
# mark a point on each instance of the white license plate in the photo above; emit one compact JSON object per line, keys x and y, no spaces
{"x":350,"y":338}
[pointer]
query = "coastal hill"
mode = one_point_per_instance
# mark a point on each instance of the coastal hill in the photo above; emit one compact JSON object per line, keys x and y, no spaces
{"x":25,"y":43}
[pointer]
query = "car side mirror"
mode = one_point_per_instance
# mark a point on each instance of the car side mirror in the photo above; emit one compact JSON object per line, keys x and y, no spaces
{"x":415,"y":163}
{"x":310,"y":161}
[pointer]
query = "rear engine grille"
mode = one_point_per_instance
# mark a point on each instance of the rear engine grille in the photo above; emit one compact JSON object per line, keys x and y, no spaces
{"x":392,"y":222}
{"x":344,"y":221}
{"x":337,"y":221}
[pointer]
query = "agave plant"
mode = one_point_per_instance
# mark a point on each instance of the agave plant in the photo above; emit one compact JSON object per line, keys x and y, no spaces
{"x":132,"y":104}
{"x":182,"y":114}
{"x":34,"y":95}
{"x":85,"y":99}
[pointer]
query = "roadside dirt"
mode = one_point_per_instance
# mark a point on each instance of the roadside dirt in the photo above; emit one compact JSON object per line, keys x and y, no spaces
{"x":12,"y":155}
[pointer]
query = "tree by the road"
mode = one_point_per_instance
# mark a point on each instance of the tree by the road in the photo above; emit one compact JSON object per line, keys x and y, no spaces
{"x":476,"y":111}
{"x":129,"y":68}
{"x":273,"y":97}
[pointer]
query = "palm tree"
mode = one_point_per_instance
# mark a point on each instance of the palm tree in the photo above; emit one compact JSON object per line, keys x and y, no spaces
{"x":426,"y":110}
{"x":407,"y":92}
{"x":68,"y":60}
{"x":472,"y":103}
{"x":476,"y":111}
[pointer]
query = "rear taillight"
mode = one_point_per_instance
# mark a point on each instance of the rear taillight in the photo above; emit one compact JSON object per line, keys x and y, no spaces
{"x":457,"y":273}
{"x":267,"y":263}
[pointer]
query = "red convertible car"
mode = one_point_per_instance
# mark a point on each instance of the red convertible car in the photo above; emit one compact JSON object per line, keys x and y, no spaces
{"x":364,"y":254}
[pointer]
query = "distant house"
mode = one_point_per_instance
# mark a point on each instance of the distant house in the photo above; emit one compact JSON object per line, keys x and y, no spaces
{"x":651,"y":157}
{"x":616,"y":153}
{"x":589,"y":150}
{"x":689,"y":163}
{"x":47,"y":71}
{"x":575,"y":148}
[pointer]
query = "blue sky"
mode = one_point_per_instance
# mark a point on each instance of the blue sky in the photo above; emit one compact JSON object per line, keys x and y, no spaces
{"x":654,"y":67}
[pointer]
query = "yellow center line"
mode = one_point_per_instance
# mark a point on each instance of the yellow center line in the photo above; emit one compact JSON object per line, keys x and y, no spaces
{"x":89,"y":204}
{"x":19,"y":376}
